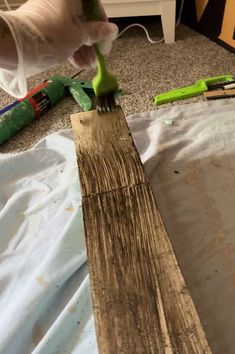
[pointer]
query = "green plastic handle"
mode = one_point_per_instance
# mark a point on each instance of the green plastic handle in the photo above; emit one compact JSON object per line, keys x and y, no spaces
{"x":77,"y":89}
{"x":103,"y":80}
{"x":190,"y":91}
{"x":81,"y":97}
{"x":91,"y":10}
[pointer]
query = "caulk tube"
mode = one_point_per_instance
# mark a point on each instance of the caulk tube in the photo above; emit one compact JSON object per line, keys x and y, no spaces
{"x":36,"y":103}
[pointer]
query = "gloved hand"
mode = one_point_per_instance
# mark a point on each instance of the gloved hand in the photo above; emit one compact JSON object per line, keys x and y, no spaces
{"x":47,"y":33}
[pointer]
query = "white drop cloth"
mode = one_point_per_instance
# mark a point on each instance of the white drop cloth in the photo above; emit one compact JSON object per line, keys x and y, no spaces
{"x":189,"y":155}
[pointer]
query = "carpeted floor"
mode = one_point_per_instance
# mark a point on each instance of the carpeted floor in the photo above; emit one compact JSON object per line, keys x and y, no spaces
{"x":143,"y":70}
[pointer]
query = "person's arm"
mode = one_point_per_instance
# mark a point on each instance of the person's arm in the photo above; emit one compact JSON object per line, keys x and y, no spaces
{"x":43,"y":33}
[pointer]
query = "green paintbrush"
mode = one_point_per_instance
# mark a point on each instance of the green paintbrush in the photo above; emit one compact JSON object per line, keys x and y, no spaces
{"x":105,"y":84}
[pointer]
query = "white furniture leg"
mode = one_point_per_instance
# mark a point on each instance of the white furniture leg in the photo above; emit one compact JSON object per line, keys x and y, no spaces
{"x":168,"y":20}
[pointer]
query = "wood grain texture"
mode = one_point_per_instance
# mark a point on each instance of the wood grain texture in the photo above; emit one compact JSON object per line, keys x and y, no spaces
{"x":219,"y":93}
{"x":141,"y":303}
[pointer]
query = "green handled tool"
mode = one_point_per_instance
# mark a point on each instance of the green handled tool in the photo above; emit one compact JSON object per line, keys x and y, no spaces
{"x":105,"y":84}
{"x":190,"y":91}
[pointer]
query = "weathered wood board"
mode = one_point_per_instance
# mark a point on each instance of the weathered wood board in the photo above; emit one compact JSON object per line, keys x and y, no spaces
{"x":141,"y":302}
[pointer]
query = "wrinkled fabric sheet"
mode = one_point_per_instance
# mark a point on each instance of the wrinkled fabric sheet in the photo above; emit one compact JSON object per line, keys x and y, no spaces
{"x":45,"y":300}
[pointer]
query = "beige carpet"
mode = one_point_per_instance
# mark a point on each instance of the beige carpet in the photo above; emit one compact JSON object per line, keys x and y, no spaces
{"x":143,"y":69}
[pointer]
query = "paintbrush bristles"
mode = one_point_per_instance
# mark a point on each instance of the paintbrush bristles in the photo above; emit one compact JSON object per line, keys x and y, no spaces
{"x":106,"y":103}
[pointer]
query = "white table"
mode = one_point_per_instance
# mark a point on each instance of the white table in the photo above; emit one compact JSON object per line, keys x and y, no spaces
{"x":127,"y":8}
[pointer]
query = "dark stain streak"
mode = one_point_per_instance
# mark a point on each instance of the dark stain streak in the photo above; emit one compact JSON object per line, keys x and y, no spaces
{"x":37,"y":333}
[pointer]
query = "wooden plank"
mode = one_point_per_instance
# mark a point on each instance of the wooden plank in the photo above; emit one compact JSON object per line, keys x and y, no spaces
{"x":219,"y":94}
{"x":141,"y":303}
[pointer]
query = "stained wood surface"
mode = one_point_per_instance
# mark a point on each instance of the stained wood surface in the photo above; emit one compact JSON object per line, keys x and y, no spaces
{"x":141,"y":302}
{"x":219,"y":93}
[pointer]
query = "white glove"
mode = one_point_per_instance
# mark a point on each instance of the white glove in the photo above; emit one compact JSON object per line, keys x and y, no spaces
{"x":47,"y":33}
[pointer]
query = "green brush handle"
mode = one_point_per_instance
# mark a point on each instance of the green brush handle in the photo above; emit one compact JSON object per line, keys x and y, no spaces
{"x":92,"y":12}
{"x":190,"y":91}
{"x":104,"y":83}
{"x":102,"y":68}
